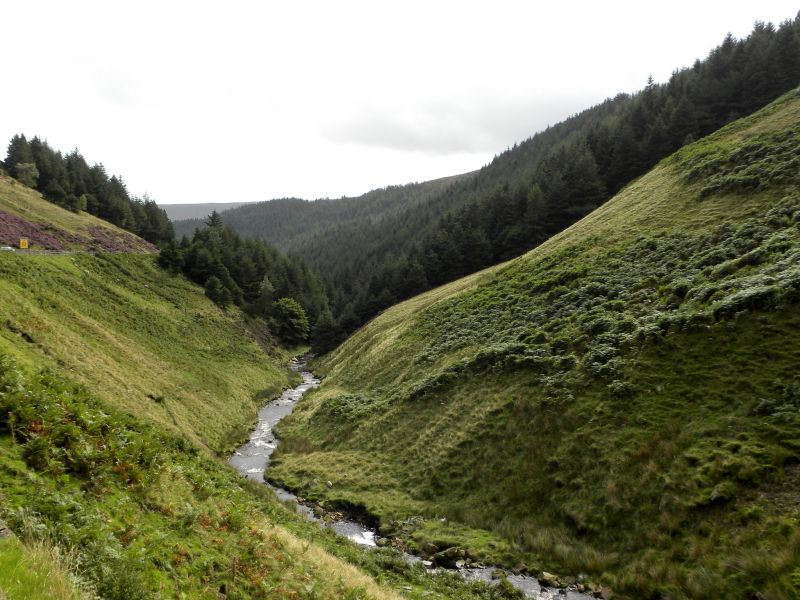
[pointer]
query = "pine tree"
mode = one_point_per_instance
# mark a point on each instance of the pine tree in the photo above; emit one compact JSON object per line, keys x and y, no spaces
{"x":213,"y":220}
{"x":214,"y":289}
{"x":19,"y":151}
{"x":326,"y":333}
{"x":170,"y":258}
{"x":55,"y":193}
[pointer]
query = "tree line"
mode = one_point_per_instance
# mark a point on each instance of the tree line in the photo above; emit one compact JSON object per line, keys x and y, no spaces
{"x":596,"y":153}
{"x":378,"y":252}
{"x":393,"y":243}
{"x":69,"y":181}
{"x":249,"y":273}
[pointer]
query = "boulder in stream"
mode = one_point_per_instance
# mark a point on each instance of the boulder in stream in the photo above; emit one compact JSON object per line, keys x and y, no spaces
{"x":550,"y":580}
{"x":449,"y":557}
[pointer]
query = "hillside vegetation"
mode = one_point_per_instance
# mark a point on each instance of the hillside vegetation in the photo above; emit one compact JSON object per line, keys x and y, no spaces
{"x":140,"y":513}
{"x":147,"y":342}
{"x":25,"y":213}
{"x":622,"y":401}
{"x":59,"y":203}
{"x":191,"y":212}
{"x":296,"y":225}
{"x":69,"y":182}
{"x":376,"y":257}
{"x":119,"y":385}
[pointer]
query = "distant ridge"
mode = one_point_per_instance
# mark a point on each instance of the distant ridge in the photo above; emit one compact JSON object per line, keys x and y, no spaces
{"x":178,"y":212}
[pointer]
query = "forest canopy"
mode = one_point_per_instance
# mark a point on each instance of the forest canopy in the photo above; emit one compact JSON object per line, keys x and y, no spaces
{"x":389,"y":244}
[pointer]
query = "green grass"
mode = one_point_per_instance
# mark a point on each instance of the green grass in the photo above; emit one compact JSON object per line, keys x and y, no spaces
{"x":36,"y":571}
{"x":145,"y":514}
{"x":621,"y":401}
{"x":120,"y":387}
{"x":141,"y":513}
{"x":72,"y":228}
{"x":146,"y":342}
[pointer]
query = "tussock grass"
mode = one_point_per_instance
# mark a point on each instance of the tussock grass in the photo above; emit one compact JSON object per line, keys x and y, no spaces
{"x":37,"y":570}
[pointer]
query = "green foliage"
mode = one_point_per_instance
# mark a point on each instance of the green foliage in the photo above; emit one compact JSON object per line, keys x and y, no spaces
{"x":621,"y":401}
{"x":81,"y":203}
{"x":146,"y":342}
{"x":216,"y":292}
{"x":759,"y":163}
{"x":99,"y":462}
{"x":170,"y":258}
{"x":146,"y":515}
{"x":249,"y":273}
{"x":26,"y":173}
{"x":213,"y":220}
{"x":71,"y":183}
{"x":396,"y":242}
{"x":290,"y":321}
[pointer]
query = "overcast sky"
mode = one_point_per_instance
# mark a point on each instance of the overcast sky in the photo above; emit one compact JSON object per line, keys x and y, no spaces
{"x":244,"y":101}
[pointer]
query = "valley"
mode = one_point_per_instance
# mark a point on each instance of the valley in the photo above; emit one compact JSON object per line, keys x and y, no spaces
{"x":571,"y":373}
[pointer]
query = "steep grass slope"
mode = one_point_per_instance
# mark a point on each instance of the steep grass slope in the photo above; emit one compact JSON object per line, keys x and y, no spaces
{"x":140,"y":513}
{"x":25,"y":213}
{"x":146,"y":342}
{"x":622,"y":401}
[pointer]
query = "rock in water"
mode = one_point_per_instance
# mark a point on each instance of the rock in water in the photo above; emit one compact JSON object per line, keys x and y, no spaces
{"x":550,"y":580}
{"x":448,"y":557}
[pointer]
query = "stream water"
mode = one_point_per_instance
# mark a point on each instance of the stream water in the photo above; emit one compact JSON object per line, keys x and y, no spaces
{"x":252,"y":460}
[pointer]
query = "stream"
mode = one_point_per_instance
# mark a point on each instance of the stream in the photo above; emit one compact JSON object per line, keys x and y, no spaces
{"x":252,"y":460}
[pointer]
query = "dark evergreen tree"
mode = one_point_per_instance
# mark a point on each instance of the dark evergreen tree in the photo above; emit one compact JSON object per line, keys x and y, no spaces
{"x":170,"y":258}
{"x":19,"y":152}
{"x":214,"y":219}
{"x":216,"y":292}
{"x":326,"y":333}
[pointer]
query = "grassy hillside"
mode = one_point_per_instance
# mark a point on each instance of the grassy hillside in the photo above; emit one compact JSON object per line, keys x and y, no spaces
{"x":146,"y":342}
{"x":526,"y":194}
{"x":116,"y":379}
{"x":621,"y":401}
{"x":24,"y":213}
{"x":140,"y":513}
{"x":109,"y":506}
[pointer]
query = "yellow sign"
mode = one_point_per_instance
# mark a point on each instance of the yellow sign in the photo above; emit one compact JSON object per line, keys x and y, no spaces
{"x":23,"y":243}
